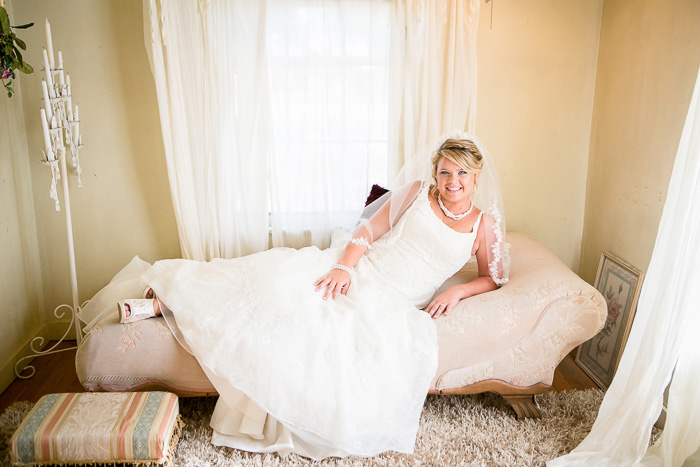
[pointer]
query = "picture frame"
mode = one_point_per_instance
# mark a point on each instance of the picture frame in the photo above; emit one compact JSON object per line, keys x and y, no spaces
{"x":620,"y":283}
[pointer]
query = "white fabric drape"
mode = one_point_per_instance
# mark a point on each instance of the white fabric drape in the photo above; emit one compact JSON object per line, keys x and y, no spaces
{"x":663,"y":339}
{"x":328,"y":81}
{"x":208,"y":61}
{"x":433,"y":73}
{"x":286,"y":108}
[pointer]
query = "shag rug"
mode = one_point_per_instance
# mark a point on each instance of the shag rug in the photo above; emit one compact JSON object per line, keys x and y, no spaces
{"x":454,"y":430}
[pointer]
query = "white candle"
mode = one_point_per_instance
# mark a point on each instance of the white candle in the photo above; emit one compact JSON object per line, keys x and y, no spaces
{"x":47,"y":101}
{"x":47,"y":138}
{"x":69,"y":103}
{"x":61,"y":80}
{"x":47,"y":69}
{"x":77,"y":124}
{"x":49,"y":41}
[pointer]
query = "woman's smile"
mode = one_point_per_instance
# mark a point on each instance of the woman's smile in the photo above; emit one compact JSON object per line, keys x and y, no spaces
{"x":455,"y":185}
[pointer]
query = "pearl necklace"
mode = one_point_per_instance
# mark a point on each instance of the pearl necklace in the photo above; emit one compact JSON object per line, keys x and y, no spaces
{"x":446,"y":211}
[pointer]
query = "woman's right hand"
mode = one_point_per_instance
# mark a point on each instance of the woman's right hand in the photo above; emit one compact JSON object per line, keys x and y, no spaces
{"x":336,"y":282}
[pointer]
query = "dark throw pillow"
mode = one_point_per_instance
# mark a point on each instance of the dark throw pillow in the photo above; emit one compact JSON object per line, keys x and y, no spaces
{"x":374,"y":194}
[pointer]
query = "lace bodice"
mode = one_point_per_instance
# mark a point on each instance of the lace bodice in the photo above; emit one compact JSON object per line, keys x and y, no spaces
{"x":420,"y":253}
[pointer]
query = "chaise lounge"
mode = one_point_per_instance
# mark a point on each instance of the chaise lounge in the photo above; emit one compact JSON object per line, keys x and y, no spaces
{"x":507,"y":341}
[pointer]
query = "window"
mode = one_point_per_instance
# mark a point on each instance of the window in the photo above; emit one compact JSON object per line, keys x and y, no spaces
{"x":328,"y":65}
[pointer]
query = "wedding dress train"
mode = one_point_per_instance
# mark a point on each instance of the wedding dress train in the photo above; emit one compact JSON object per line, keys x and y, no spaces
{"x":297,"y":373}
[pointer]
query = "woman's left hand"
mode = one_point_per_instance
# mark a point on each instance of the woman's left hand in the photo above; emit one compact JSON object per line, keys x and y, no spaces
{"x":443,"y":303}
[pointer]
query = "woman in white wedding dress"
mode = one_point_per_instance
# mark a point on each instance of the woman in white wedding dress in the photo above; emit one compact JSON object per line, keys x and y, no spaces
{"x":331,"y":352}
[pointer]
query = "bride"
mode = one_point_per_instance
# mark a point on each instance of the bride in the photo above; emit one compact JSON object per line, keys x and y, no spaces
{"x":332,"y":352}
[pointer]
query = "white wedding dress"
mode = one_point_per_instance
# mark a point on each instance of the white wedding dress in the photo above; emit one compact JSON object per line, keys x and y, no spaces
{"x":321,"y":378}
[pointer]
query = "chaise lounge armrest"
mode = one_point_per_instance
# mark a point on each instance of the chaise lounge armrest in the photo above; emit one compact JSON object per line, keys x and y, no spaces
{"x":512,"y":339}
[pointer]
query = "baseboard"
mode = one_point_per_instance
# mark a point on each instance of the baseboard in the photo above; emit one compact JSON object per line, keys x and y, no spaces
{"x":7,"y":372}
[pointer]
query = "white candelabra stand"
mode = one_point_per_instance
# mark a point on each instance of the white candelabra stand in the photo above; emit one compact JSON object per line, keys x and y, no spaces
{"x":61,"y":127}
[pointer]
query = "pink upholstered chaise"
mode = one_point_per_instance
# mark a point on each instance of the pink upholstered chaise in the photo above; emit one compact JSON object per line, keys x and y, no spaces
{"x":508,"y":341}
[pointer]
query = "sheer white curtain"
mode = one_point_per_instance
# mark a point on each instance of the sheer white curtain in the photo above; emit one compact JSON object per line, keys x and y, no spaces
{"x":433,"y":73}
{"x":281,"y":112}
{"x":663,"y":338}
{"x":328,"y":82}
{"x":208,"y":61}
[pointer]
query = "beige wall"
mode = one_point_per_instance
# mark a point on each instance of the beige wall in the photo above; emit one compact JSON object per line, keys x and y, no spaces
{"x":124,"y":207}
{"x":536,"y":77}
{"x":647,"y":67}
{"x":21,"y":294}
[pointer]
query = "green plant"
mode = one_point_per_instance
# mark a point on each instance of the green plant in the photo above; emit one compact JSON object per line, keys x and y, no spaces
{"x":10,"y":56}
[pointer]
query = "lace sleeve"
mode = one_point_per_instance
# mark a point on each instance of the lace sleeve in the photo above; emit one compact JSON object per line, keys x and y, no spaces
{"x":393,"y":205}
{"x":496,"y":255}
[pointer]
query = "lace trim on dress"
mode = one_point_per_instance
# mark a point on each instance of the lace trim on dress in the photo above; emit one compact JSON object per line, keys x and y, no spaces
{"x":361,"y":241}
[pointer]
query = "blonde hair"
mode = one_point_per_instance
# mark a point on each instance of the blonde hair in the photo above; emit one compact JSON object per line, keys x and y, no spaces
{"x":462,"y":152}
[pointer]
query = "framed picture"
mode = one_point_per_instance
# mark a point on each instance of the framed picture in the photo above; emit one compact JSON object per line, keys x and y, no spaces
{"x":620,"y":284}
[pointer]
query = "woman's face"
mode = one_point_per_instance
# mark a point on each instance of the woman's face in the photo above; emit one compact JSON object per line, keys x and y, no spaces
{"x":453,"y":182}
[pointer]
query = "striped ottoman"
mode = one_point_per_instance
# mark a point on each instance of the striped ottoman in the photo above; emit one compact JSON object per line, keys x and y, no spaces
{"x":92,"y":428}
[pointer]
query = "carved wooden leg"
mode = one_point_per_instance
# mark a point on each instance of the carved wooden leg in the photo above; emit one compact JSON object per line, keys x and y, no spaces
{"x":524,"y":406}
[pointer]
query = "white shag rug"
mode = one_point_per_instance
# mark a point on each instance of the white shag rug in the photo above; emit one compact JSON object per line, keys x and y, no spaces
{"x":478,"y":430}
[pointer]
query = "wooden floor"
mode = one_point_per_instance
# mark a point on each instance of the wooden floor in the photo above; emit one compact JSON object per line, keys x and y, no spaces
{"x":56,"y":373}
